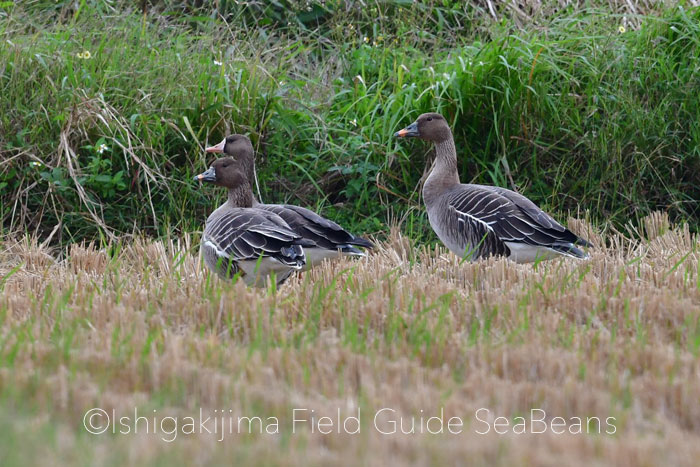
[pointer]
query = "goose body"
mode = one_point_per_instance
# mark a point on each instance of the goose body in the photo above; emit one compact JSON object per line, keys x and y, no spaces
{"x":330,"y":240}
{"x":241,"y":240}
{"x":324,"y":239}
{"x":478,"y":221}
{"x":252,"y":243}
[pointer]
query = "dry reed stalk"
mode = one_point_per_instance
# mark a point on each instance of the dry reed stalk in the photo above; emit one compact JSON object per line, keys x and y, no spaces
{"x":140,"y":324}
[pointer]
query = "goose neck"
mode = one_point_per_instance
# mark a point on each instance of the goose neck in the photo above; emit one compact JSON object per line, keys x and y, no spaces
{"x":444,"y":172}
{"x":241,"y":196}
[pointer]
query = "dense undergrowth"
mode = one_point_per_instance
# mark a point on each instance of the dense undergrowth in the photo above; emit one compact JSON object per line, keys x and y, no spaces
{"x":104,"y":111}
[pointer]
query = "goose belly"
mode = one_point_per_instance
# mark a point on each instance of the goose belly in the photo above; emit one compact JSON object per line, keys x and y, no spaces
{"x":524,"y":253}
{"x":255,"y":272}
{"x":220,"y":265}
{"x":252,"y":272}
{"x":315,"y":256}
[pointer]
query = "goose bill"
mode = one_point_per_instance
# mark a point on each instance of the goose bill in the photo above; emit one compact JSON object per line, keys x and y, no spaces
{"x":410,"y":131}
{"x":218,"y":148}
{"x":208,"y":176}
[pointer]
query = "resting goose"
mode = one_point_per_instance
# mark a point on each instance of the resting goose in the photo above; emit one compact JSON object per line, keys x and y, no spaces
{"x":477,"y":221}
{"x":329,"y":240}
{"x":241,"y":239}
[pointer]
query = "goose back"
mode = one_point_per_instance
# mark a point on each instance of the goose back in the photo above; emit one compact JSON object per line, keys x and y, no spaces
{"x":251,"y":242}
{"x":324,"y":232}
{"x":477,"y":221}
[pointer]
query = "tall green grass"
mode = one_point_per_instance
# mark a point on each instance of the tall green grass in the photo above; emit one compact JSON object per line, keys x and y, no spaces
{"x":576,"y":114}
{"x":585,"y":119}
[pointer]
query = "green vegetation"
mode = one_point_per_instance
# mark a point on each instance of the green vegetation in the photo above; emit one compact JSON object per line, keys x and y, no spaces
{"x":582,"y":109}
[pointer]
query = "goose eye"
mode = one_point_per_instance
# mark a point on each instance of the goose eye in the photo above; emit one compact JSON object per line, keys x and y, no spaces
{"x":430,"y":119}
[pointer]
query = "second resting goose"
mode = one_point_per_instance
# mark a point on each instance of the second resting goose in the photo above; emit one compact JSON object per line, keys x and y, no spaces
{"x":239,"y":239}
{"x":327,"y":239}
{"x":477,"y":221}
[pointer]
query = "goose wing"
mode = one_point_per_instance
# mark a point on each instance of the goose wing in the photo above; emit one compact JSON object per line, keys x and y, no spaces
{"x":247,"y":234}
{"x":510,"y":216}
{"x":325,"y":233}
{"x":528,"y":207}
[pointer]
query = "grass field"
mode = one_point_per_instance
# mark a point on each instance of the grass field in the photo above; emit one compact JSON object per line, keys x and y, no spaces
{"x":140,"y":326}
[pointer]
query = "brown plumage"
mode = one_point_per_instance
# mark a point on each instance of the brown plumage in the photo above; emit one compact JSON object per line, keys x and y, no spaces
{"x":329,"y":240}
{"x":241,"y":239}
{"x":476,"y":221}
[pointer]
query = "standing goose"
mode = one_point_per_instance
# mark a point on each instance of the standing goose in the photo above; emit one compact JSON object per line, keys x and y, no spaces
{"x":477,"y":221}
{"x":240,"y":239}
{"x":329,"y":240}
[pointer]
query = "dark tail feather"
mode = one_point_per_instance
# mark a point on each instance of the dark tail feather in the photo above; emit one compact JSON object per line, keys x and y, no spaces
{"x":569,"y":249}
{"x":363,"y":242}
{"x":292,"y":256}
{"x":351,"y":250}
{"x":584,"y":243}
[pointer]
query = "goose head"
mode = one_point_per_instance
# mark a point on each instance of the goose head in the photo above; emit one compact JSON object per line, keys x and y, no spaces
{"x":226,"y":172}
{"x":430,"y":127}
{"x":236,"y":146}
{"x":239,"y":149}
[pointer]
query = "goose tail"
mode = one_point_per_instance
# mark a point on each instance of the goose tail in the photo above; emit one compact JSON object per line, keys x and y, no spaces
{"x":359,"y":241}
{"x":569,"y":249}
{"x":351,"y":250}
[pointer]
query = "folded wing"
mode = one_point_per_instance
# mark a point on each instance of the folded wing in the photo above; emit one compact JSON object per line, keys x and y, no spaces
{"x":249,"y":234}
{"x":496,"y":219}
{"x":324,"y":233}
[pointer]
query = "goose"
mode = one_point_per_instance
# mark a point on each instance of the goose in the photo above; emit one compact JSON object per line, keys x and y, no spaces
{"x":329,"y":239}
{"x":240,"y":239}
{"x":478,"y":221}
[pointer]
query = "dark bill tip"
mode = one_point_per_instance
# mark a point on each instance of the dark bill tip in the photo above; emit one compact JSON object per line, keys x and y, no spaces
{"x":208,"y":175}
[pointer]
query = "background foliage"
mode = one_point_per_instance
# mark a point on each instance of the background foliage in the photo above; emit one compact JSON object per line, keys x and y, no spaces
{"x":105,"y":108}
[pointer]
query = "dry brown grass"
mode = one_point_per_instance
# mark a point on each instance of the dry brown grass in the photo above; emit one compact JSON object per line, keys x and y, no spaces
{"x":409,"y":328}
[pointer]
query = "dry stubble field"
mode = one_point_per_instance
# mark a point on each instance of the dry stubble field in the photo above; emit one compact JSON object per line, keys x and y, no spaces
{"x":144,"y":328}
